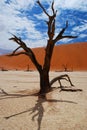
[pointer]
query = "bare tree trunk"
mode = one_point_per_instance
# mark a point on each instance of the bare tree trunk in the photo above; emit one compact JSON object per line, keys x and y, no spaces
{"x":44,"y":82}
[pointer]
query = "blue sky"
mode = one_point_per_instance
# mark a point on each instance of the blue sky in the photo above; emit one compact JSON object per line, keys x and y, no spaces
{"x":25,"y":19}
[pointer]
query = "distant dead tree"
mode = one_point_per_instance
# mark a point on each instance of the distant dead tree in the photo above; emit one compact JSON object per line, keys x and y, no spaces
{"x":65,"y":67}
{"x":45,"y":84}
{"x":3,"y":69}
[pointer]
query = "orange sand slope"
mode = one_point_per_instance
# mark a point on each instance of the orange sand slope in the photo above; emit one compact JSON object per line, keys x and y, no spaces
{"x":71,"y":56}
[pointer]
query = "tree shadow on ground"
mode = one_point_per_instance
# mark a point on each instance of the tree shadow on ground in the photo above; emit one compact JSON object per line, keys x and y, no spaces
{"x":19,"y":94}
{"x":38,"y":109}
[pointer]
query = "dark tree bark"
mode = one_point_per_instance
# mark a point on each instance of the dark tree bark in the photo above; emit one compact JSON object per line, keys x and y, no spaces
{"x":45,"y":85}
{"x":44,"y":82}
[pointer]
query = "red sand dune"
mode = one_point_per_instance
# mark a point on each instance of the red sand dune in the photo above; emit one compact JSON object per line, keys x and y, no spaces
{"x":72,"y":56}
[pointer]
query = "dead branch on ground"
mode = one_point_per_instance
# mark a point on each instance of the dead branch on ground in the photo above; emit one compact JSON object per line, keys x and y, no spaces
{"x":67,"y":78}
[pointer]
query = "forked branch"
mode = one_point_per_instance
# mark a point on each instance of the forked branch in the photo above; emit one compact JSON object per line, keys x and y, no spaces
{"x":51,"y":22}
{"x":63,"y":30}
{"x":60,"y":35}
{"x":67,"y":78}
{"x":27,"y":51}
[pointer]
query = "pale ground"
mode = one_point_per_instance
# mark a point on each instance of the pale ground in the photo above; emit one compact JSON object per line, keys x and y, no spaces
{"x":61,"y":110}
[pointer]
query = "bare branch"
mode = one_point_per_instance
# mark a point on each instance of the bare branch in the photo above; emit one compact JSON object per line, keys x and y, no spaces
{"x":53,"y":29}
{"x":27,"y":52}
{"x":65,"y":77}
{"x":42,"y":8}
{"x":13,"y":53}
{"x":19,"y":41}
{"x":63,"y":30}
{"x":22,"y":44}
{"x":60,"y":35}
{"x":51,"y":22}
{"x":16,"y":49}
{"x":69,"y":37}
{"x":16,"y":54}
{"x":53,"y":7}
{"x":51,"y":26}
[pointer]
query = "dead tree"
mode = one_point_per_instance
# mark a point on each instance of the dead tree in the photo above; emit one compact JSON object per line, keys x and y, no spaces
{"x":65,"y":67}
{"x":45,"y":85}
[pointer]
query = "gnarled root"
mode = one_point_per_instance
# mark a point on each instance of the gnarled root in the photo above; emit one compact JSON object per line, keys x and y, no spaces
{"x":67,"y":78}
